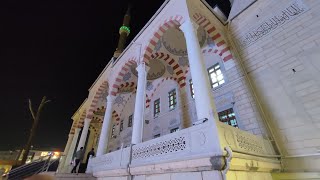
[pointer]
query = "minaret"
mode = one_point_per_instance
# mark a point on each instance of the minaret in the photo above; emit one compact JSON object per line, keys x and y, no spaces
{"x":124,"y":32}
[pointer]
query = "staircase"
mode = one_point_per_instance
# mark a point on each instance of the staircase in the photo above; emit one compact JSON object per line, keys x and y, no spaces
{"x":35,"y":167}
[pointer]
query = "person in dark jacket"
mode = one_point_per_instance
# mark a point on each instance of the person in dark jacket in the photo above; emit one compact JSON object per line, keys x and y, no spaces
{"x":91,"y":153}
{"x":79,"y":157}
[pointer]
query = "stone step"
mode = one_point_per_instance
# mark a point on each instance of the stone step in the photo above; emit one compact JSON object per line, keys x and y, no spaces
{"x":71,"y":176}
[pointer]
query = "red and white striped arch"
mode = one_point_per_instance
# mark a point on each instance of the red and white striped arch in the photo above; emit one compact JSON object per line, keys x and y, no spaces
{"x":102,"y":88}
{"x":81,"y":120}
{"x":204,"y":51}
{"x":172,"y":22}
{"x":222,"y":47}
{"x":127,"y":85}
{"x":96,"y":120}
{"x":74,"y":126}
{"x":119,"y":77}
{"x":78,"y":123}
{"x":177,"y":70}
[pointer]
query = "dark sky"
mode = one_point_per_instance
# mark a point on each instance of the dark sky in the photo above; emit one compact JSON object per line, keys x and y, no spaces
{"x":58,"y":49}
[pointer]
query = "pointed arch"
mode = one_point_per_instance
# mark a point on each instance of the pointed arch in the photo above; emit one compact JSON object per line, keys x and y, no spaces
{"x":96,"y":120}
{"x":178,"y":73}
{"x":80,"y":121}
{"x":127,"y":85}
{"x":216,"y":37}
{"x":102,"y":88}
{"x":119,"y":77}
{"x":173,"y":21}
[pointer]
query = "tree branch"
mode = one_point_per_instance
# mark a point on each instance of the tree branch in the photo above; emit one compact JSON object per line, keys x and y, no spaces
{"x":32,"y":113}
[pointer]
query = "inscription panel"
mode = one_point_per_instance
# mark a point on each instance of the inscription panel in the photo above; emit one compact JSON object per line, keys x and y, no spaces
{"x":290,"y":12}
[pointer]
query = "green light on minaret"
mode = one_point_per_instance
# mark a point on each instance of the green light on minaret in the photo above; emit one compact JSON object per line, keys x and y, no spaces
{"x":125,"y":29}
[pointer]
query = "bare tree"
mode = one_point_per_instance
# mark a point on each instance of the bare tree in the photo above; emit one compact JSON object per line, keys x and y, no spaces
{"x":35,"y":117}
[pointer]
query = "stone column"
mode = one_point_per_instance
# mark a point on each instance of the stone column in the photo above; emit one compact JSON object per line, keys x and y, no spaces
{"x":105,"y":130}
{"x":138,"y":116}
{"x":84,"y":133}
{"x":184,"y":114}
{"x":65,"y":153}
{"x":72,"y":147}
{"x":89,"y":146}
{"x":202,"y":91}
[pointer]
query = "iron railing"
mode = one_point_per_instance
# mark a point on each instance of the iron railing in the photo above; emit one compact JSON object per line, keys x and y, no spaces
{"x":35,"y":167}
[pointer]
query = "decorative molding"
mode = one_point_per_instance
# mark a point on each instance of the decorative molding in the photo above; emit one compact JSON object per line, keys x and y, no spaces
{"x":183,"y":61}
{"x":157,"y":69}
{"x":248,"y":144}
{"x":119,"y":100}
{"x":243,"y":141}
{"x":126,"y":76}
{"x":100,"y":111}
{"x":217,"y":38}
{"x":120,"y":75}
{"x":172,"y":62}
{"x":171,"y":22}
{"x":149,"y":86}
{"x":173,"y":145}
{"x":171,"y":45}
{"x":97,"y":96}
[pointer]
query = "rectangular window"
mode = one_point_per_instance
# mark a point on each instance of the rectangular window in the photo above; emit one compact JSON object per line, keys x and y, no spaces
{"x":156,"y":107}
{"x":215,"y":75}
{"x":130,"y":120}
{"x":156,"y":136}
{"x":174,"y":130}
{"x":191,"y":88}
{"x":121,"y":125}
{"x":228,"y":117}
{"x":172,"y":99}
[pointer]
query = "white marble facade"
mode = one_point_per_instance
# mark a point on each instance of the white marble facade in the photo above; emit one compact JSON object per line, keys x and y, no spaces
{"x":255,"y":84}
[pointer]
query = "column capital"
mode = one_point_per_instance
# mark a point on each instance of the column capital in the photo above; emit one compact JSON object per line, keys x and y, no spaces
{"x":87,"y":120}
{"x":142,"y":68}
{"x":110,"y":98}
{"x":189,"y":25}
{"x":76,"y":130}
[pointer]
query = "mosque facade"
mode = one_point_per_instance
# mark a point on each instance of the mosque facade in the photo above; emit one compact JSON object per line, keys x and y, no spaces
{"x":202,"y":95}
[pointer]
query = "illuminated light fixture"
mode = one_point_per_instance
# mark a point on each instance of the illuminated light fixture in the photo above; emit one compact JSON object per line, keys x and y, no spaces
{"x":125,"y":29}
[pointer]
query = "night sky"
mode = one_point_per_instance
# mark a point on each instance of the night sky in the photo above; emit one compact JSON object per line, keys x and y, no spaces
{"x":57,"y":49}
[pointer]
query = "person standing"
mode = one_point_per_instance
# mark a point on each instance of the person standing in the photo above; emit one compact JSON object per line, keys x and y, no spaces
{"x":91,"y":153}
{"x":79,"y":157}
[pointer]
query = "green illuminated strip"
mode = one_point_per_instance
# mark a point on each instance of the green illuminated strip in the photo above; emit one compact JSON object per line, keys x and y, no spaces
{"x":125,"y":28}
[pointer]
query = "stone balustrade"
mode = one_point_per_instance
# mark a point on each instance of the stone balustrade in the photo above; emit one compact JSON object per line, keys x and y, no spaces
{"x":243,"y":141}
{"x":114,"y":160}
{"x":192,"y":143}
